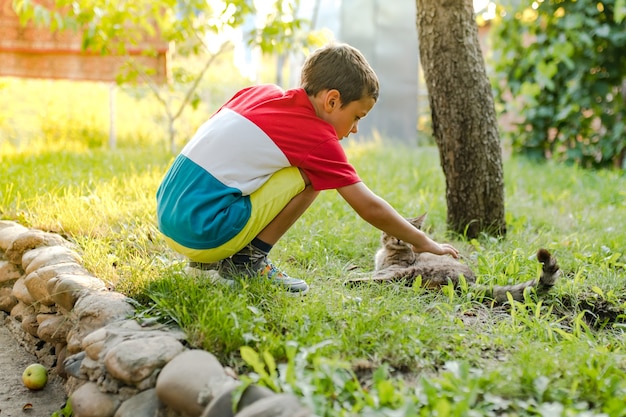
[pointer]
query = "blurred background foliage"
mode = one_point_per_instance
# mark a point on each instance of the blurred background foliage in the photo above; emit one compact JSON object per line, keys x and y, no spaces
{"x":198,"y":32}
{"x":560,"y":72}
{"x":558,"y":69}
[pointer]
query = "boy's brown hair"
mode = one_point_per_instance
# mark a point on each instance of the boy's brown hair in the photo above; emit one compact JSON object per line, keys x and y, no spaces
{"x":339,"y":67}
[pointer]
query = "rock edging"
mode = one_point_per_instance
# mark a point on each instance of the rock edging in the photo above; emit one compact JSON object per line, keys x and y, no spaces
{"x":111,"y":365}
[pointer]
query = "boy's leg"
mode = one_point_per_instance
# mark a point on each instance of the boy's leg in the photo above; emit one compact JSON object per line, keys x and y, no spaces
{"x":288,"y":216}
{"x":253,"y":258}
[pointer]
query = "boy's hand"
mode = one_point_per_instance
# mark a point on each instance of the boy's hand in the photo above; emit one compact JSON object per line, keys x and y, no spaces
{"x":441,"y":249}
{"x":447,"y":249}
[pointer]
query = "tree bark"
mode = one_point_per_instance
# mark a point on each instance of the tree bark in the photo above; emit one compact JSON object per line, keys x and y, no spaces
{"x":463,"y":116}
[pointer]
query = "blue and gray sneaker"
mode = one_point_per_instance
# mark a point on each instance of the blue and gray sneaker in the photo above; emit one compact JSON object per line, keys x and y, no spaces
{"x":259,"y":265}
{"x":202,"y":270}
{"x":294,"y":285}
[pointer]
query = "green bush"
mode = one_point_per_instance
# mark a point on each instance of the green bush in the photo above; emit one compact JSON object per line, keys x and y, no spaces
{"x":564,"y":64}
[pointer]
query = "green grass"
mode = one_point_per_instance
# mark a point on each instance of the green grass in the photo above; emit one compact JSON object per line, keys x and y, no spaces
{"x":374,"y":349}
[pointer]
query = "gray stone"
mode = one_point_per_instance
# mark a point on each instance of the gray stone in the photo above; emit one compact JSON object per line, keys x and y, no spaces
{"x":182,"y":380}
{"x":20,"y":310}
{"x":72,"y":365}
{"x":30,"y":324}
{"x":95,"y":310}
{"x":222,"y":406}
{"x":41,"y":317}
{"x":72,"y":384}
{"x":5,"y":224}
{"x":94,"y":342}
{"x":31,"y":239}
{"x":214,"y":386}
{"x":37,"y":281}
{"x":21,"y":292}
{"x":279,"y":405}
{"x":47,"y":256}
{"x":102,"y":308}
{"x":97,"y":342}
{"x":7,"y":300}
{"x":61,"y":353}
{"x":134,"y":361}
{"x":9,"y":273}
{"x":54,"y":328}
{"x":144,"y":404}
{"x":42,"y":309}
{"x":89,"y":401}
{"x":9,"y":231}
{"x":65,"y":289}
{"x":96,"y":372}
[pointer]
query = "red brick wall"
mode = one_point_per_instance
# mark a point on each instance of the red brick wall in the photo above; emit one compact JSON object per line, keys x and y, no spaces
{"x":32,"y":52}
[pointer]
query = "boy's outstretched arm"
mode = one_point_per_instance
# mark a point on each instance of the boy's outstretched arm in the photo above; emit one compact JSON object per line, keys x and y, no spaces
{"x":380,"y":214}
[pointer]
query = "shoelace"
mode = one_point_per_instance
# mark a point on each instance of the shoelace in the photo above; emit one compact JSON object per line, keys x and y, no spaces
{"x":271,"y":271}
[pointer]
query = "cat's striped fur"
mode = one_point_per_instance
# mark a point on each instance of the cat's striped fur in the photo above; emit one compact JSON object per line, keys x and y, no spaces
{"x":396,"y":261}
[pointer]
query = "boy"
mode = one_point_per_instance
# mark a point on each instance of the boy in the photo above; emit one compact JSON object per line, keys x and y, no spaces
{"x":258,"y":163}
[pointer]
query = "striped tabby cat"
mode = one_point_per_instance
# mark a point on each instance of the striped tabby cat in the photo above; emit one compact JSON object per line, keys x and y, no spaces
{"x":396,"y":261}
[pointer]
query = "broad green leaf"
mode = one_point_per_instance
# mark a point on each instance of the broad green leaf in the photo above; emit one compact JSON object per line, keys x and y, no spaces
{"x":252,"y":358}
{"x":598,"y":291}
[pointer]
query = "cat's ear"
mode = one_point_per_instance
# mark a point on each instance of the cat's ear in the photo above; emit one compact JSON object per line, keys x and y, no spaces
{"x":417,"y":221}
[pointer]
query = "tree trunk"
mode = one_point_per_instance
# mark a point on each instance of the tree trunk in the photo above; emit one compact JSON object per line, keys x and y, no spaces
{"x":463,"y":116}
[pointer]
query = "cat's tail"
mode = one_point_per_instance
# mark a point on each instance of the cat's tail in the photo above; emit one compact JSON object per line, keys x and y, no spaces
{"x":549,"y":274}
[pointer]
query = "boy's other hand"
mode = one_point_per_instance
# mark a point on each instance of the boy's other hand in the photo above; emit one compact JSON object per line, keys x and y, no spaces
{"x":440,"y":249}
{"x":447,"y":249}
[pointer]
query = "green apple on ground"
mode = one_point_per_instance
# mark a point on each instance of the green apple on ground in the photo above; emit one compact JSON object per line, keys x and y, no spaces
{"x":35,"y":376}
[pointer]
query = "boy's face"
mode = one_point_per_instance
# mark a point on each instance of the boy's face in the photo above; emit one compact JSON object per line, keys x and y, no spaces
{"x":345,"y":119}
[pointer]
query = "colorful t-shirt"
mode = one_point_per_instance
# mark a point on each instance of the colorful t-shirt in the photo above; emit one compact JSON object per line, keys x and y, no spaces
{"x":203,"y":200}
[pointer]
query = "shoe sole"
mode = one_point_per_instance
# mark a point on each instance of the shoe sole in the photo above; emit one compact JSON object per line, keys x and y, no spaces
{"x":233,"y":281}
{"x":214,"y":276}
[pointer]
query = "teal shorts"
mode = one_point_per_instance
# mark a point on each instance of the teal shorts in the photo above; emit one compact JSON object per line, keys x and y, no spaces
{"x":267,"y":202}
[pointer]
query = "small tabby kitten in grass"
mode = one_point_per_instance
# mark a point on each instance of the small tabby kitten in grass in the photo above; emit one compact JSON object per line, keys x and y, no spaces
{"x":396,"y":261}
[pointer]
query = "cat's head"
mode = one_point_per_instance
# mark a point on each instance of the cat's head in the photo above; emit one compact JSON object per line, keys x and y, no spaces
{"x":418,"y":221}
{"x":391,"y":242}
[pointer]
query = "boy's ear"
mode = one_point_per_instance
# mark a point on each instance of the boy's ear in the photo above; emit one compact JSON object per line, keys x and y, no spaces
{"x":332,"y":100}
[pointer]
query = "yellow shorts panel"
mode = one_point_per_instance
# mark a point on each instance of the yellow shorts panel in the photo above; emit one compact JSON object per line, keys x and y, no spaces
{"x":267,"y":202}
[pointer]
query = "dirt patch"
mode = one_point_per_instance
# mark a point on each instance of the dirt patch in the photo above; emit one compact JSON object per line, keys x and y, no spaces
{"x":15,"y":399}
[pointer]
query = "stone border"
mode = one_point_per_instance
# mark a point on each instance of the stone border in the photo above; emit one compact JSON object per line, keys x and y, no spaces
{"x":111,"y":365}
